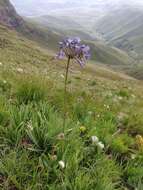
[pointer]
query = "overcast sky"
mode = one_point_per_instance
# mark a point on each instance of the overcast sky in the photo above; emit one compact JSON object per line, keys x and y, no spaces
{"x":88,"y":1}
{"x":41,"y":7}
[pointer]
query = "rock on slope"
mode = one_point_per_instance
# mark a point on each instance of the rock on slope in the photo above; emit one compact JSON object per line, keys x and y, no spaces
{"x":8,"y":15}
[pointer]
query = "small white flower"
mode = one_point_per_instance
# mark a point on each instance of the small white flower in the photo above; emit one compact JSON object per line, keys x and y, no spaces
{"x":108,"y":107}
{"x":20,"y":70}
{"x":1,"y":64}
{"x":133,"y":96}
{"x":62,"y":76}
{"x":4,"y":81}
{"x":90,"y":112}
{"x":120,"y":98}
{"x":94,"y":139}
{"x":100,"y":145}
{"x":98,"y":115}
{"x":133,"y":156}
{"x":62,"y":164}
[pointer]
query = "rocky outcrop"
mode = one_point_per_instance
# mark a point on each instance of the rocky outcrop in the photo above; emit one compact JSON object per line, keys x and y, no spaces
{"x":8,"y":15}
{"x":10,"y":18}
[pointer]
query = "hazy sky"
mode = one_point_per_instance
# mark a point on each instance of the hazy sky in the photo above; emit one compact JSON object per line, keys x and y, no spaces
{"x":41,"y":7}
{"x":88,"y":1}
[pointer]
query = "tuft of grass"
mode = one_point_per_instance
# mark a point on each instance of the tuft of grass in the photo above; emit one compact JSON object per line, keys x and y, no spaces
{"x":122,"y":144}
{"x":31,"y":90}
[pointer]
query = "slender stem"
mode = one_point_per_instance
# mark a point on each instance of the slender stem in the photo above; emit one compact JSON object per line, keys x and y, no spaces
{"x":65,"y":92}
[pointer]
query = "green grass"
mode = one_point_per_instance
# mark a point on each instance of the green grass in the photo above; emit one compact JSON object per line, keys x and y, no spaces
{"x":29,"y":130}
{"x":107,"y":104}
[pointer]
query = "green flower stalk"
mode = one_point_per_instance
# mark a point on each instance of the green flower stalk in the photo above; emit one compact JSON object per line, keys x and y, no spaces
{"x":73,"y":50}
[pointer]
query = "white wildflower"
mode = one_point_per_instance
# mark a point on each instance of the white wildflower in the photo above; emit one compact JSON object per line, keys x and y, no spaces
{"x":90,"y":112}
{"x":108,"y":107}
{"x":133,"y":96}
{"x":100,"y":145}
{"x":4,"y":81}
{"x":62,"y":76}
{"x":98,"y":115}
{"x":20,"y":70}
{"x":120,"y":98}
{"x":62,"y":164}
{"x":94,"y":139}
{"x":1,"y":64}
{"x":133,"y":156}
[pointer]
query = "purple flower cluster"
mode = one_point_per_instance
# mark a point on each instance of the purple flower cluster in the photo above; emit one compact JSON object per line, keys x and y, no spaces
{"x":73,"y":49}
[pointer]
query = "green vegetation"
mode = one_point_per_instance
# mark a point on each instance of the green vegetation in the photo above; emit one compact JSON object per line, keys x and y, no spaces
{"x":109,"y":55}
{"x":125,"y":32}
{"x":101,"y":103}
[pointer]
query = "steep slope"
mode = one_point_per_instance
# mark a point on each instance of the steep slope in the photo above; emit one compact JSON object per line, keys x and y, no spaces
{"x":109,"y":55}
{"x":65,"y":26}
{"x":8,"y":15}
{"x":56,"y":22}
{"x":16,"y":50}
{"x":101,"y":52}
{"x":126,"y":31}
{"x":35,"y":31}
{"x":10,"y":18}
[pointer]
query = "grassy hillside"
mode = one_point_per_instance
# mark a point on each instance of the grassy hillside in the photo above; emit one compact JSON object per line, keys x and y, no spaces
{"x":63,"y":25}
{"x":109,"y":55}
{"x":101,"y":52}
{"x":101,"y":103}
{"x":10,"y":18}
{"x":126,"y":31}
{"x":56,"y":22}
{"x":46,"y":31}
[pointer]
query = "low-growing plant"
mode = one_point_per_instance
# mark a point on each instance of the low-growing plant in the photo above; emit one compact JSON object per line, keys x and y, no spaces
{"x":134,"y":124}
{"x":4,"y":117}
{"x":43,"y":128}
{"x":5,"y":86}
{"x":123,"y":93}
{"x":31,"y":90}
{"x":134,"y":171}
{"x":121,"y":144}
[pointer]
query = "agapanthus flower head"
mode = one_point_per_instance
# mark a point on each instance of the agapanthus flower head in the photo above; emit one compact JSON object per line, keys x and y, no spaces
{"x":73,"y":49}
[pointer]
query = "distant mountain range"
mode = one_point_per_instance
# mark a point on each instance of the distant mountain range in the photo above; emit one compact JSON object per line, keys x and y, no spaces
{"x":124,"y":32}
{"x":118,"y":23}
{"x":117,"y":43}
